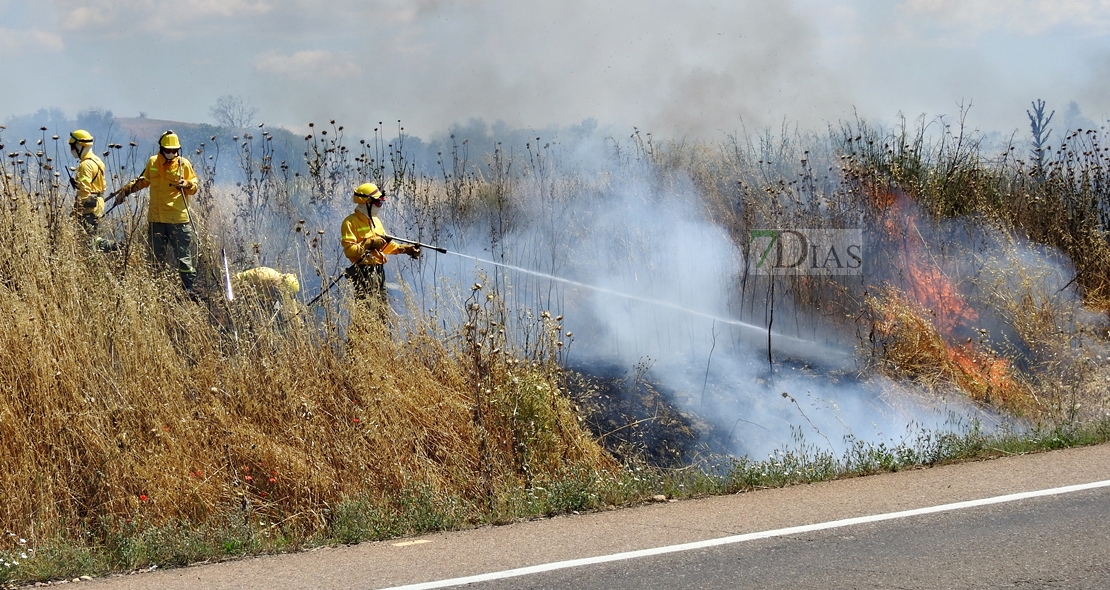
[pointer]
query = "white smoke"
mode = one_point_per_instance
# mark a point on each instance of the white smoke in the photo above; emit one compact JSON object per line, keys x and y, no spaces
{"x":650,"y":282}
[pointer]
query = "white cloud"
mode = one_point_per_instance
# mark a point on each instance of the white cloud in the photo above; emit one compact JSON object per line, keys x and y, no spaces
{"x":17,"y":42}
{"x":154,"y":16}
{"x":308,"y":64}
{"x":226,"y":7}
{"x":1027,"y":17}
{"x":86,"y":16}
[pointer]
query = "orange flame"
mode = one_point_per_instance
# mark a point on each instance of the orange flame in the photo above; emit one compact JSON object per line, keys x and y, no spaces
{"x":984,"y":376}
{"x":927,"y":285}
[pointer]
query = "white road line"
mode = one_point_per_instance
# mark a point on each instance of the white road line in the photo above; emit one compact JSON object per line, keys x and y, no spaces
{"x":547,"y":567}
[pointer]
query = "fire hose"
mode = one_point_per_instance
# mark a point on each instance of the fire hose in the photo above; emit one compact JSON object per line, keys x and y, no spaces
{"x":417,"y":244}
{"x":351,"y":269}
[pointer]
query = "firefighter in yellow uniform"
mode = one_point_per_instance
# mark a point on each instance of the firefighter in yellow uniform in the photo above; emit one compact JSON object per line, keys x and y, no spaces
{"x":90,"y":184}
{"x":268,"y":285}
{"x":172,"y":182}
{"x":365,"y":244}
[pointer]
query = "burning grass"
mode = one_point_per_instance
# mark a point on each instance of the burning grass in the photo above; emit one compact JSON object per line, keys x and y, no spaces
{"x":908,"y":345}
{"x":986,"y":273}
{"x":139,"y":427}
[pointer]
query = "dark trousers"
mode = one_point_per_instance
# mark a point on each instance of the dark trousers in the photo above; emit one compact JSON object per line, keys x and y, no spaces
{"x":91,"y":223}
{"x":175,"y":241}
{"x":368,"y":281}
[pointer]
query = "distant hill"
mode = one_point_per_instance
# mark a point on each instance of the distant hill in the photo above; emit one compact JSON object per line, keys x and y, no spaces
{"x":145,"y":133}
{"x":144,"y":129}
{"x":221,"y":159}
{"x":472,"y":140}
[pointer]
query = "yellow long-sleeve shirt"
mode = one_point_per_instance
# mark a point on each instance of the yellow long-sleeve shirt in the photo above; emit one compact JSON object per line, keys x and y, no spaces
{"x":355,"y":229}
{"x":90,"y":181}
{"x":168,"y":203}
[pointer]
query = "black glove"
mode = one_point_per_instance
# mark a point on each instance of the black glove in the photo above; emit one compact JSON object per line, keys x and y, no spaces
{"x":413,"y":251}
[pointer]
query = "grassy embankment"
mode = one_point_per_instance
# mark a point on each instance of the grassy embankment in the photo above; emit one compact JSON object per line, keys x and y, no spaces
{"x":140,"y":428}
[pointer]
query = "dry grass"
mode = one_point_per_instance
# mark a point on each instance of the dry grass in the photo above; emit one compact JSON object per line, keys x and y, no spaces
{"x":123,"y":404}
{"x":908,"y":345}
{"x":129,"y":415}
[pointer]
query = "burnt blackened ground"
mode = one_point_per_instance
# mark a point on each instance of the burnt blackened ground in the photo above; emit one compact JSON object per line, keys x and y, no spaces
{"x":639,"y":420}
{"x":634,"y":419}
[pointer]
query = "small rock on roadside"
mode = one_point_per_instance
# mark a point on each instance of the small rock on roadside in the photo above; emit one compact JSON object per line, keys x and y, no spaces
{"x":658,"y":498}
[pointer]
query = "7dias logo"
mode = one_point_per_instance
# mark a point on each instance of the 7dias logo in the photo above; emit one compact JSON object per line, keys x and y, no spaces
{"x":806,"y":252}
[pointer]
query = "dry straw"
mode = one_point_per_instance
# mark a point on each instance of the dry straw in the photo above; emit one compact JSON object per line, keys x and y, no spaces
{"x":123,"y":404}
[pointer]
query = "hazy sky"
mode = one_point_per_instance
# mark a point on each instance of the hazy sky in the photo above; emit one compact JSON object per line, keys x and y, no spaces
{"x":695,"y":69}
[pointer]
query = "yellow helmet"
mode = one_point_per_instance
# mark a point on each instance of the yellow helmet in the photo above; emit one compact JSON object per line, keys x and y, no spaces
{"x":169,"y":141}
{"x":367,"y":192}
{"x":80,"y":136}
{"x":290,"y":284}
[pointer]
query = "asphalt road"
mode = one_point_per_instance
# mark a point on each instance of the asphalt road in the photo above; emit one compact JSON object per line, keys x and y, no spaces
{"x":1048,"y":541}
{"x":1057,"y":542}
